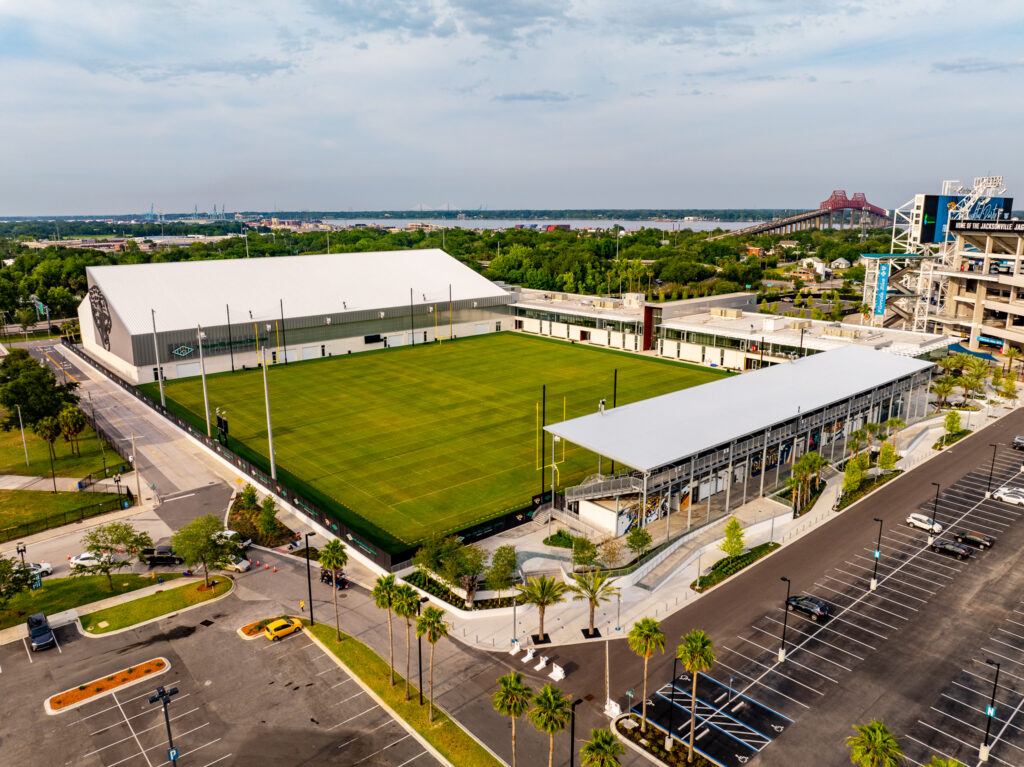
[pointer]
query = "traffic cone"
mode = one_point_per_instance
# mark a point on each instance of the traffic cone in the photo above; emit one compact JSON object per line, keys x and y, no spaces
{"x":69,"y":557}
{"x":275,"y":569}
{"x":266,"y":567}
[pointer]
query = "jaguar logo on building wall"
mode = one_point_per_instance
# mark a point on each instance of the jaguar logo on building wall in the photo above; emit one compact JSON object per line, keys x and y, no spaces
{"x":101,"y":315}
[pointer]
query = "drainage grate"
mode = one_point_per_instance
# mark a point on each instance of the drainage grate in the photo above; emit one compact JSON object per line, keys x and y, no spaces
{"x":207,"y":622}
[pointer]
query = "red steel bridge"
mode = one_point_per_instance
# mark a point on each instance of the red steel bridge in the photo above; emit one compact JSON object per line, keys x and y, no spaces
{"x":837,"y":211}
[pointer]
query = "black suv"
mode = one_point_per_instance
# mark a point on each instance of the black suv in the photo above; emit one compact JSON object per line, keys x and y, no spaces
{"x":814,"y":608}
{"x":951,"y":549}
{"x":326,"y":576}
{"x":1018,"y":442}
{"x":973,"y":538}
{"x":39,"y":632}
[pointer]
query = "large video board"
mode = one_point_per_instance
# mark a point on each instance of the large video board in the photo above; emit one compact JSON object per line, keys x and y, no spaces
{"x":936,"y":209}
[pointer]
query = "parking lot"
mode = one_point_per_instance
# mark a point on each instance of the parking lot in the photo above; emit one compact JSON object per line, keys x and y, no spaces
{"x":239,"y":701}
{"x":913,"y":585}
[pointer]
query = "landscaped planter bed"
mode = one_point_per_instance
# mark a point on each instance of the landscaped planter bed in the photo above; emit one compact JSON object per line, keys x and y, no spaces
{"x":106,"y":684}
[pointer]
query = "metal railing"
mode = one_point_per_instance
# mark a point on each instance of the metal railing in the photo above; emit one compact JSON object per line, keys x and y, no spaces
{"x":58,"y":520}
{"x":615,"y":486}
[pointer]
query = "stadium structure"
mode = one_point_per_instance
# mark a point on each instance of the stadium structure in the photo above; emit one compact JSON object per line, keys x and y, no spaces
{"x":228,"y":314}
{"x":708,"y":449}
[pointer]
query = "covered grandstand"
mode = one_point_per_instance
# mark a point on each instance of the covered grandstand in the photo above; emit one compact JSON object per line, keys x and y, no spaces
{"x":728,"y":441}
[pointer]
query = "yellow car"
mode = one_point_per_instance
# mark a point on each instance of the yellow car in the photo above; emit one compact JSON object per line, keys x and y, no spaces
{"x":282,"y":628}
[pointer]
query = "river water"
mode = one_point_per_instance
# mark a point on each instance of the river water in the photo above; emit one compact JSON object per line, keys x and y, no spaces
{"x":509,"y":223}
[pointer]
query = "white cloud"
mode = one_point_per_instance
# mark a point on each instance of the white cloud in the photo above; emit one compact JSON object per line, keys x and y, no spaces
{"x":111,"y":105}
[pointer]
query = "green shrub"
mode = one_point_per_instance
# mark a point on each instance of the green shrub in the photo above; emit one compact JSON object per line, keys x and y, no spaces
{"x":561,"y":539}
{"x":723,"y":568}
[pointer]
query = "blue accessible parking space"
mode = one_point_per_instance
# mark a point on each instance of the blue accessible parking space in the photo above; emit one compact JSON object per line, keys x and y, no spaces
{"x":730,"y":728}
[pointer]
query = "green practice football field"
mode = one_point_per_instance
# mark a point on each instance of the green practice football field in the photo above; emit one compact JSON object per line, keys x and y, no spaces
{"x":435,"y":438}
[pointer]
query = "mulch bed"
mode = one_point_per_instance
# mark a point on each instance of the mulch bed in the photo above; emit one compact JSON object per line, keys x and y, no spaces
{"x":106,"y":684}
{"x":255,"y":629}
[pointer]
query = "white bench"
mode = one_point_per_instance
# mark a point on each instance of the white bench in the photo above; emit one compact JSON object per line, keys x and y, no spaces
{"x":557,"y":672}
{"x":515,"y":648}
{"x":529,"y":655}
{"x":542,"y":664}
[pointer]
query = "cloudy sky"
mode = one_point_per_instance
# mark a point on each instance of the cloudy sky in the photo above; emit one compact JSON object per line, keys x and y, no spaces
{"x":109,"y":106}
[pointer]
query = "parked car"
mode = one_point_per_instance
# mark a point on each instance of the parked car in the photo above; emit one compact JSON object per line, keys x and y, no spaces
{"x":1014,"y":495}
{"x":239,"y":565}
{"x":281,"y":628}
{"x":951,"y":549}
{"x":973,"y":538}
{"x":88,"y":559}
{"x":40,"y":634}
{"x":231,"y":535}
{"x":326,"y":576}
{"x":42,"y":568}
{"x":923,"y":522}
{"x":814,"y":608}
{"x":161,"y":555}
{"x":1018,"y":442}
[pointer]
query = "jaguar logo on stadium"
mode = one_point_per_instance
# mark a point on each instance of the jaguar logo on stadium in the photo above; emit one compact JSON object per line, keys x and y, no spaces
{"x":101,"y":315}
{"x":182,"y":351}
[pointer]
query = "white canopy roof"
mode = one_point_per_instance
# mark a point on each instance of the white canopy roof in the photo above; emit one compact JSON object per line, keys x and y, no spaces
{"x":663,"y":430}
{"x":187,"y":293}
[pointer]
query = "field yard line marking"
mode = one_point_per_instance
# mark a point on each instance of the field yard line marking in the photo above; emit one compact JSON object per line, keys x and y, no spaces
{"x":129,"y":724}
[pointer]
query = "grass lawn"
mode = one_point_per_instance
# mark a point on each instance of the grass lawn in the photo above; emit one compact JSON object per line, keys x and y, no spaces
{"x":443,"y":734}
{"x":19,"y":507}
{"x":64,"y":593}
{"x":153,"y":606}
{"x":434,"y":438}
{"x":12,"y":455}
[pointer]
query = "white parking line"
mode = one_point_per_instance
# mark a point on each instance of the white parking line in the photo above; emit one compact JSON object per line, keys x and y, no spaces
{"x":1019,"y":636}
{"x":1005,"y":657}
{"x":978,"y":710}
{"x":773,"y":668}
{"x":931,"y":749}
{"x":197,"y":748}
{"x":1008,"y":644}
{"x":876,"y":595}
{"x":129,"y":725}
{"x":389,"y":745}
{"x":29,"y":654}
{"x":919,"y":566}
{"x":816,"y":655}
{"x":220,"y":759}
{"x":720,"y":662}
{"x":421,"y":753}
{"x":327,"y":670}
{"x":343,"y":681}
{"x":889,"y":577}
{"x":830,"y":629}
{"x":350,"y":697}
{"x":875,"y":607}
{"x":371,"y":708}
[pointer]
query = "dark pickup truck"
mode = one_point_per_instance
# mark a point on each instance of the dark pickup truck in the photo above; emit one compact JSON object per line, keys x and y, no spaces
{"x":161,"y":555}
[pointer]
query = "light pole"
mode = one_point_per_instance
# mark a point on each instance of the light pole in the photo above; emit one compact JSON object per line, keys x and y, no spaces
{"x":21,"y":549}
{"x":156,"y":353}
{"x":618,"y":612}
{"x":202,"y":369}
{"x":991,"y":468}
{"x":671,"y":704}
{"x":877,"y":555}
{"x":266,"y":402}
{"x":309,"y":580}
{"x":785,"y":615}
{"x":935,"y":515}
{"x":990,"y":713}
{"x":22,"y":425}
{"x":572,"y":732}
{"x":419,"y":647}
{"x":164,"y":696}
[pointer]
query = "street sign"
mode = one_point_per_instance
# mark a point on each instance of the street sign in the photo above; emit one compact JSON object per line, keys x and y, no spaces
{"x":172,"y":754}
{"x":630,"y":694}
{"x":990,"y":711}
{"x":37,"y":581}
{"x":878,"y":554}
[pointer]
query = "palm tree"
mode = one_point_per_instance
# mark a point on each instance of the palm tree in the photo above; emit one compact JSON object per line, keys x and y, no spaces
{"x":858,"y":438}
{"x":938,"y":761}
{"x":431,"y":625}
{"x":1012,"y":353}
{"x":384,"y":598}
{"x":947,"y":363}
{"x":512,"y":698}
{"x":874,"y":746}
{"x":894,"y":425}
{"x":550,"y":713}
{"x":645,"y":638}
{"x":72,"y":423}
{"x":697,"y":652}
{"x":334,"y":558}
{"x":542,"y":591}
{"x":942,"y":388}
{"x":405,"y":605}
{"x":602,"y":750}
{"x":595,"y":587}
